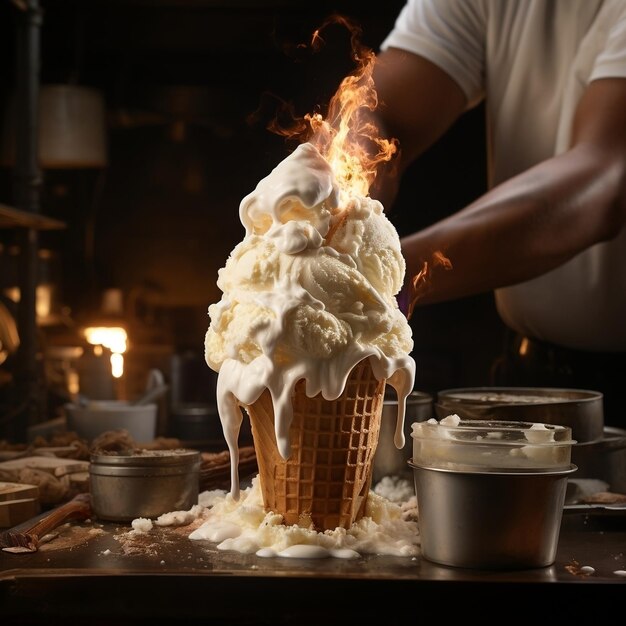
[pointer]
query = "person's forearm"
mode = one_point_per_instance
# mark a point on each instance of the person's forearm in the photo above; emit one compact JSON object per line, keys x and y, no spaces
{"x":520,"y":229}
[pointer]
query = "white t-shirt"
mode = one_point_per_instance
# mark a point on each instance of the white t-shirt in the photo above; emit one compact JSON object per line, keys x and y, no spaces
{"x":531,"y":60}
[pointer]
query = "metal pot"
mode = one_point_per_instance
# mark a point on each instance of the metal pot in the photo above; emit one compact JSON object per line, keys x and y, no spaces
{"x":604,"y":459}
{"x":600,"y":451}
{"x":582,"y":410}
{"x":143,"y":483}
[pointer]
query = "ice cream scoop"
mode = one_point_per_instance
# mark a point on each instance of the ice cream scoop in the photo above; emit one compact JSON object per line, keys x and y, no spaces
{"x":307,"y":295}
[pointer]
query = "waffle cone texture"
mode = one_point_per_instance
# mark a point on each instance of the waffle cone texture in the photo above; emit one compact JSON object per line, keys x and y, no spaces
{"x":327,"y":478}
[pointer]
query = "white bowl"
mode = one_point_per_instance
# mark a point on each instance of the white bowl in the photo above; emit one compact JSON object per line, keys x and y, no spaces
{"x":100,"y":416}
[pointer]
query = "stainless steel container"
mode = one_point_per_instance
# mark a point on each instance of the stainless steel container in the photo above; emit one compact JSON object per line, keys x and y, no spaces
{"x":389,"y":460}
{"x":490,"y":494}
{"x":490,"y":519}
{"x":143,"y":483}
{"x":580,"y":409}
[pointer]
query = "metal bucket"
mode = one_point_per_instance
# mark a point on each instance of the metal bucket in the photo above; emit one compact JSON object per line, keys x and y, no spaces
{"x":143,"y":483}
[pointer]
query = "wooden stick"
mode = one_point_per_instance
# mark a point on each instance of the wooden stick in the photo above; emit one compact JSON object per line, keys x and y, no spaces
{"x":27,"y":540}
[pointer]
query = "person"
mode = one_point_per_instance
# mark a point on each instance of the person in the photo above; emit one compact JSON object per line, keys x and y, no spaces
{"x":548,"y":236}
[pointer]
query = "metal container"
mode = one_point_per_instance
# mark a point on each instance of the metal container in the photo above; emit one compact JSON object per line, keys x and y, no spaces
{"x":195,"y":422}
{"x":199,"y":424}
{"x":580,"y":409}
{"x":389,"y":460}
{"x":490,"y":519}
{"x":604,"y":459}
{"x":143,"y":483}
{"x":490,"y":494}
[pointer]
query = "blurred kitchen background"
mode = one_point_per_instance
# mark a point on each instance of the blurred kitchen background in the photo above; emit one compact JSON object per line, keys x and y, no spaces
{"x":152,"y":127}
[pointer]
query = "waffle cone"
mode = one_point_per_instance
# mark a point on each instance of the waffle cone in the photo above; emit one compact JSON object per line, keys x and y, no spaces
{"x":327,"y":478}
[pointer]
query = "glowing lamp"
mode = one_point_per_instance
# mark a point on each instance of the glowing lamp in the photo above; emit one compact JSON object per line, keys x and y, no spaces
{"x":108,"y":329}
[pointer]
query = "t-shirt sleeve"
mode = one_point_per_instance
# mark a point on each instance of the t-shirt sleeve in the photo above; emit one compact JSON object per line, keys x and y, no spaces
{"x":611,"y":62}
{"x":449,"y":33}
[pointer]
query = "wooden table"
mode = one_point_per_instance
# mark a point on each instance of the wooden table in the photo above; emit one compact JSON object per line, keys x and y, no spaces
{"x":94,"y":575}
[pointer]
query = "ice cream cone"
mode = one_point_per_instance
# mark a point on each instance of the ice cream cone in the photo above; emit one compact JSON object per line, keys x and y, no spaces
{"x":327,"y":478}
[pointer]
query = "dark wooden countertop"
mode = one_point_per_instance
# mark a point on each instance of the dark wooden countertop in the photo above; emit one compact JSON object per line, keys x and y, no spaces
{"x":94,"y":573}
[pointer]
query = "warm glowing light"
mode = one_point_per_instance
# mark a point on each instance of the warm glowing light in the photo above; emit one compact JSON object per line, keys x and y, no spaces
{"x":347,"y":136}
{"x":73,"y":382}
{"x":523,"y":347}
{"x":351,"y":143}
{"x":43,"y":301}
{"x":113,"y":338}
{"x":117,"y":365}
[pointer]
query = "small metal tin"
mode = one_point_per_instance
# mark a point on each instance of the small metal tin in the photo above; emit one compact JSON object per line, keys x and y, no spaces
{"x":143,"y":483}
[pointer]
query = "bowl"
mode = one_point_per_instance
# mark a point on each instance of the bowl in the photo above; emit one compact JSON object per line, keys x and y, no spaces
{"x":389,"y":460}
{"x":490,"y":495}
{"x":99,"y":416}
{"x":143,"y":483}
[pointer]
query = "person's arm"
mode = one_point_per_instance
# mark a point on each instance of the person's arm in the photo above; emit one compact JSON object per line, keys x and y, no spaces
{"x":526,"y":226}
{"x":539,"y":219}
{"x":418,"y":102}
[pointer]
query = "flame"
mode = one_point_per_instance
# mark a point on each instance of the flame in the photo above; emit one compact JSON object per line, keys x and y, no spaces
{"x":347,"y":136}
{"x":351,"y":143}
{"x":421,"y":281}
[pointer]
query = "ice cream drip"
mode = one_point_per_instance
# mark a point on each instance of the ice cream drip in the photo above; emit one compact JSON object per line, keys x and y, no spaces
{"x":308,"y":294}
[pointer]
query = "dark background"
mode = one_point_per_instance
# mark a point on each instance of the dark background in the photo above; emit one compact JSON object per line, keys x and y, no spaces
{"x":160,"y":220}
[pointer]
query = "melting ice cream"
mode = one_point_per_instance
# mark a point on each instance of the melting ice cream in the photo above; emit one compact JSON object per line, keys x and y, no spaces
{"x":308,"y":294}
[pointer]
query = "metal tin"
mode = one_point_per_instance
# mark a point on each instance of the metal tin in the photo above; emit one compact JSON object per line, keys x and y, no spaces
{"x":143,"y":483}
{"x":580,"y":409}
{"x":490,"y":519}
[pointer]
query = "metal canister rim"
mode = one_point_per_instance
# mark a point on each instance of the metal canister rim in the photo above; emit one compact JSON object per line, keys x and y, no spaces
{"x":548,"y":471}
{"x":144,"y":472}
{"x":148,"y":458}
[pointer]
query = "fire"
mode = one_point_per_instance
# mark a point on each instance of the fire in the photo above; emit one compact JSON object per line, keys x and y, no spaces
{"x":347,"y":137}
{"x":421,"y":281}
{"x":351,"y":143}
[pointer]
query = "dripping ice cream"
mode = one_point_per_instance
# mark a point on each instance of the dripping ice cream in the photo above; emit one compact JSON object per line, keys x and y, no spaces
{"x":309,"y":297}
